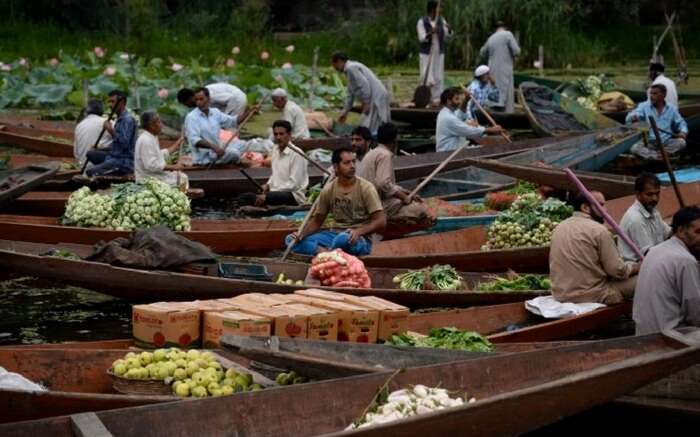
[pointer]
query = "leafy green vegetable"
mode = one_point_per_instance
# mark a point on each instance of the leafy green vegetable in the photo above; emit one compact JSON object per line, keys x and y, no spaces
{"x":438,"y":277}
{"x":516,"y":282}
{"x":445,"y":338}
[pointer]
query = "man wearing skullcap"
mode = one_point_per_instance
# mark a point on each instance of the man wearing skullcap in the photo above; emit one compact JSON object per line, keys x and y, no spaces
{"x":482,"y":89}
{"x":292,"y":113}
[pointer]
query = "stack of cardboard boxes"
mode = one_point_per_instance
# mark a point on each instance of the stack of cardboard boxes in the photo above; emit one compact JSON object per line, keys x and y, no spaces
{"x":313,"y":314}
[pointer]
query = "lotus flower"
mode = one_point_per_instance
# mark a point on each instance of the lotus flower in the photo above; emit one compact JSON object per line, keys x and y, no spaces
{"x":54,"y":62}
{"x":264,"y":55}
{"x":99,"y":52}
{"x":23,"y":61}
{"x":5,"y":67}
{"x":236,"y":50}
{"x":124,"y":56}
{"x":163,"y":93}
{"x":110,"y":71}
{"x":289,"y":49}
{"x":287,"y":66}
{"x":176,"y":67}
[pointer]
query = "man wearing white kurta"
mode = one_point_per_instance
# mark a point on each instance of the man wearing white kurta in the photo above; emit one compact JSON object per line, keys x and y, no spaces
{"x":87,"y":132}
{"x":501,"y":49}
{"x":656,"y":74}
{"x":150,"y":159}
{"x":432,"y":31}
{"x":227,"y":98}
{"x":366,"y":87}
{"x":292,"y":113}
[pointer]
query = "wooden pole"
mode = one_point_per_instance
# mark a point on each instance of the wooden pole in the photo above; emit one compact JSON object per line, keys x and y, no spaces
{"x":540,"y":66}
{"x":310,"y":214}
{"x":666,"y":160}
{"x":437,"y":170}
{"x":490,"y":119}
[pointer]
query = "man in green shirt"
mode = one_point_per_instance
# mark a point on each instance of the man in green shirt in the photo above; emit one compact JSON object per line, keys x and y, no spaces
{"x":355,"y":206}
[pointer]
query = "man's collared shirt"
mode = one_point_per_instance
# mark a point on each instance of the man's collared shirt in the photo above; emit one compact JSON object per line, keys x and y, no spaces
{"x":289,"y":173}
{"x":669,"y":120}
{"x":451,"y":131}
{"x":485,"y":94}
{"x":201,"y":126}
{"x":646,"y":229}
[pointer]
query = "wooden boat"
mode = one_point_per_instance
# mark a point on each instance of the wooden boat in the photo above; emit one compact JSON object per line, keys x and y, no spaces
{"x":14,"y":183}
{"x":585,"y":118}
{"x":427,"y":117}
{"x":566,"y":380}
{"x":197,"y":282}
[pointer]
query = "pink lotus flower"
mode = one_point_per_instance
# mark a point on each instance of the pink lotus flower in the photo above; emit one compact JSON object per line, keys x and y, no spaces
{"x":176,"y":67}
{"x":99,"y":52}
{"x":287,"y":66}
{"x":236,"y":50}
{"x":5,"y":67}
{"x":289,"y":49}
{"x":22,"y":61}
{"x":110,"y":71}
{"x":230,"y":62}
{"x":54,"y":62}
{"x":163,"y":93}
{"x":264,"y":55}
{"x":124,"y":56}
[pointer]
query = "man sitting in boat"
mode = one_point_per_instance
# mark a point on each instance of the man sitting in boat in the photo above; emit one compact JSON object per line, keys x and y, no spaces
{"x":672,"y":126}
{"x":225,"y":97}
{"x":453,"y":128}
{"x":150,"y":159}
{"x":119,"y":160}
{"x":355,"y":206}
{"x":378,"y":168}
{"x":290,"y":176}
{"x":88,"y":130}
{"x":642,"y":221}
{"x":202,"y":125}
{"x":292,"y":113}
{"x":584,"y":263}
{"x":667,"y":295}
{"x":482,"y":89}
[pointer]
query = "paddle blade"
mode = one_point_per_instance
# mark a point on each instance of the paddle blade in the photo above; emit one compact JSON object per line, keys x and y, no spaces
{"x":422,"y":95}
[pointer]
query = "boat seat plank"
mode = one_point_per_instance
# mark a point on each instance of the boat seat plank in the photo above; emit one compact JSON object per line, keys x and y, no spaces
{"x":88,"y":425}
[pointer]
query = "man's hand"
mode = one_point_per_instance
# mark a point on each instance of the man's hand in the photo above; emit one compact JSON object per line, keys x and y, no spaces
{"x":260,"y":200}
{"x":219,"y":151}
{"x":404,"y":197}
{"x":635,"y":118}
{"x":354,"y":236}
{"x":107,"y":125}
{"x":635,"y":268}
{"x":343,"y":117}
{"x":494,"y":130}
{"x":265,"y":188}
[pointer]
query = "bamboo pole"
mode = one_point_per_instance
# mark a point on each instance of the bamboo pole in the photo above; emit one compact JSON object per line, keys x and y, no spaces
{"x":437,"y":170}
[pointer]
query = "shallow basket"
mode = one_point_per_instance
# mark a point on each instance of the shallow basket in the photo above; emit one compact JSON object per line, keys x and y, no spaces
{"x":139,"y":386}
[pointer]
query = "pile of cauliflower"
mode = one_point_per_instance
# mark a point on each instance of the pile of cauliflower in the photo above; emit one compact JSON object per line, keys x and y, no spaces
{"x":130,"y":206}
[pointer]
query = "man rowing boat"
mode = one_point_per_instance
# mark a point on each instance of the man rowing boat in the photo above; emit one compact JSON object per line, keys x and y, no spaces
{"x":453,"y":127}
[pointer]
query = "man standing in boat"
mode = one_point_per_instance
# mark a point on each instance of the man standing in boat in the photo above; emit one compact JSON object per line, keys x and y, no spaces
{"x":366,"y":87}
{"x":150,"y":159}
{"x":453,"y":127}
{"x":642,"y":221}
{"x":88,"y":130}
{"x":501,"y":49}
{"x":672,"y":126}
{"x":225,"y":97}
{"x":119,"y":160}
{"x":378,"y":168}
{"x":355,"y":206}
{"x":290,"y":176}
{"x":292,"y":113}
{"x":657,"y":76}
{"x":584,"y":263}
{"x":432,"y":32}
{"x":202,"y":126}
{"x":482,"y":89}
{"x":667,"y":295}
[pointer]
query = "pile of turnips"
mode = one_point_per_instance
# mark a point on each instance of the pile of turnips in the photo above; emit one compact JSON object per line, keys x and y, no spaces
{"x":339,"y":269}
{"x":405,"y":403}
{"x":130,"y":206}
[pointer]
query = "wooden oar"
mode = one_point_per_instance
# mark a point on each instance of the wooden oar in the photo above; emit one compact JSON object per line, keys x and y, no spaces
{"x":305,"y":222}
{"x":603,"y":213}
{"x":102,"y":132}
{"x":437,"y":170}
{"x":667,"y":161}
{"x":253,"y":181}
{"x":489,"y":118}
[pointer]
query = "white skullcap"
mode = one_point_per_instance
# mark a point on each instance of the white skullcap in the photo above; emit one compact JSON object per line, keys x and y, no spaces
{"x":481,"y":70}
{"x":279,"y":92}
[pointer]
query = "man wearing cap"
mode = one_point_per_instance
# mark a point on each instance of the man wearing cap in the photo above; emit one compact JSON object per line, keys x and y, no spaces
{"x":656,"y":74}
{"x":432,"y":32}
{"x":482,"y":89}
{"x":292,"y":113}
{"x":501,"y":49}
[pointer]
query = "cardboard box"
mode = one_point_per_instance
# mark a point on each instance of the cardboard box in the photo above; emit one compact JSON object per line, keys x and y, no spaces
{"x":323,"y":294}
{"x":257,"y":298}
{"x":355,"y":323}
{"x":285,"y":323}
{"x":213,"y":305}
{"x":322,"y":323}
{"x":393,"y":318}
{"x":166,"y":324}
{"x":217,"y":324}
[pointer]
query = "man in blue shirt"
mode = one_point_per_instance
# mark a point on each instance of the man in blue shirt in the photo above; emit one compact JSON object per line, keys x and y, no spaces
{"x":672,"y":127}
{"x":453,"y":126}
{"x":202,"y":127}
{"x":119,"y":160}
{"x":482,"y":89}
